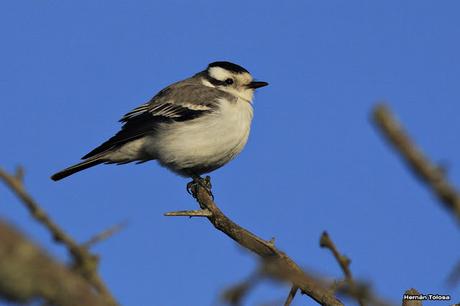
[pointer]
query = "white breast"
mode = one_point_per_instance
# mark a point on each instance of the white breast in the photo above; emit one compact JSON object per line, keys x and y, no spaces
{"x":209,"y":141}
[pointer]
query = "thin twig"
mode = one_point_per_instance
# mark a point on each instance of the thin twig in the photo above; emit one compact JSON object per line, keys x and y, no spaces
{"x":342,"y":260}
{"x":105,"y":234}
{"x":15,"y":184}
{"x":280,"y":265}
{"x":429,"y":173}
{"x":189,"y":213}
{"x":235,"y":295}
{"x":84,"y":262}
{"x":291,"y":295}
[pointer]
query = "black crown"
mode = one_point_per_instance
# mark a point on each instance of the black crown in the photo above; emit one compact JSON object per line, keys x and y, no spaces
{"x":228,"y":66}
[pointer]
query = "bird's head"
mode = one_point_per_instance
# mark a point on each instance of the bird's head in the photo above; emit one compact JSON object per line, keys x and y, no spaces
{"x":231,"y":78}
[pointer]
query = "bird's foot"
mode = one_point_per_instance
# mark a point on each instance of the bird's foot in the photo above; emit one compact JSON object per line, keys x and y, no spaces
{"x":202,"y":182}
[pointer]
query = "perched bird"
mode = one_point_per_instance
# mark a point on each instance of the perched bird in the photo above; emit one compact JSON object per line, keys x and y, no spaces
{"x":191,"y":127}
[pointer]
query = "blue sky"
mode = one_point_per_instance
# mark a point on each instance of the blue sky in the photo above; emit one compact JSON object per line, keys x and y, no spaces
{"x":71,"y":69}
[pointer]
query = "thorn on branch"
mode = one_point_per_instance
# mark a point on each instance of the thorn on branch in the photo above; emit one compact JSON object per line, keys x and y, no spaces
{"x":291,"y":296}
{"x":19,"y":175}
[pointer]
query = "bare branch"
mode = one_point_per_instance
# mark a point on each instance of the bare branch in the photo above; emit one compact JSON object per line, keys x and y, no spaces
{"x":15,"y":184}
{"x":342,"y":260}
{"x":411,"y":292}
{"x":105,"y":234}
{"x":429,"y":173}
{"x":362,"y":291}
{"x":235,"y":295}
{"x":291,"y":296}
{"x":280,"y":265}
{"x":84,"y":262}
{"x":27,"y":273}
{"x":189,"y":213}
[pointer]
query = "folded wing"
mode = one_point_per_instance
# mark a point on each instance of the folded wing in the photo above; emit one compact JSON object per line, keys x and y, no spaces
{"x":168,"y":106}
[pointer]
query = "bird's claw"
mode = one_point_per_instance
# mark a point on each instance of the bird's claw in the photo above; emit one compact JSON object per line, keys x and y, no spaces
{"x":190,"y":185}
{"x":202,"y":182}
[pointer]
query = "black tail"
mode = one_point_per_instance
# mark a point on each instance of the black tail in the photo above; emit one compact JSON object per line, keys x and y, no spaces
{"x":76,"y":168}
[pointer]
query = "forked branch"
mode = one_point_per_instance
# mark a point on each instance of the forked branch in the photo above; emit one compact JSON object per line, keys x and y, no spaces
{"x":278,"y":264}
{"x":28,"y":273}
{"x":84,"y":262}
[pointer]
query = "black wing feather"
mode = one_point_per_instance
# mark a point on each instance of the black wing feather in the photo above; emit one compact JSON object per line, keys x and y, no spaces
{"x":131,"y":130}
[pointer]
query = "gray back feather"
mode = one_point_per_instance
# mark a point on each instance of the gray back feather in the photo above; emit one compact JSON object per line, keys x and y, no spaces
{"x":189,"y":94}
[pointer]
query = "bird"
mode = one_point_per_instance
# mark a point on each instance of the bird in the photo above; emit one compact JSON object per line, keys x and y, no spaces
{"x":191,"y":127}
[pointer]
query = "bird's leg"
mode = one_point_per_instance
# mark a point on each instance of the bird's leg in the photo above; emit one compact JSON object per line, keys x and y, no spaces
{"x":207,"y":183}
{"x":191,"y":185}
{"x":203,"y":182}
{"x":192,"y":188}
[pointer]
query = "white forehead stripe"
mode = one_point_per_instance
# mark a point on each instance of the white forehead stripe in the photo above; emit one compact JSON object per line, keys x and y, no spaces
{"x":222,"y":74}
{"x":219,"y":73}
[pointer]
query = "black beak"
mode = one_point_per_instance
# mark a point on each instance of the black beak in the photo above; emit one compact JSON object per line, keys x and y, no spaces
{"x":255,"y":85}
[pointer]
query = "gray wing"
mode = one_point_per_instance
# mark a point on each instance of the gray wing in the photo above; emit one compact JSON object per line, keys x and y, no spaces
{"x":176,"y":103}
{"x":181,"y":102}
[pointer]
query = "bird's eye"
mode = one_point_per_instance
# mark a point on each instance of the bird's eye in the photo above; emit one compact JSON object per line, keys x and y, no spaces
{"x":229,"y":81}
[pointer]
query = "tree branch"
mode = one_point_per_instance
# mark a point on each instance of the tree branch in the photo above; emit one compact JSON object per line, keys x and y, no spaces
{"x":432,"y":175}
{"x":412,"y":292}
{"x":27,"y":273}
{"x":343,"y":261}
{"x":291,"y":296}
{"x":189,"y":213}
{"x":235,"y":295}
{"x":104,"y":235}
{"x":278,"y":264}
{"x":85,"y":263}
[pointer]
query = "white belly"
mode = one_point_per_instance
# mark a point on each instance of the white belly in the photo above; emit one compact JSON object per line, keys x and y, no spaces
{"x":207,"y":142}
